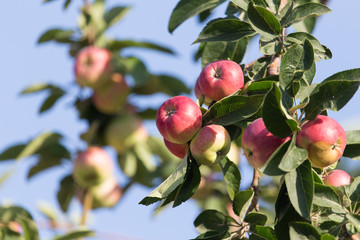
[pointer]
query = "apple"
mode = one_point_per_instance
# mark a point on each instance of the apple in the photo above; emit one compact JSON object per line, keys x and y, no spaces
{"x":258,"y":143}
{"x":178,"y":150}
{"x":92,"y":167}
{"x":233,"y":155}
{"x":93,"y":67}
{"x":210,"y":145}
{"x":178,"y":119}
{"x":124,"y":131}
{"x":220,"y":79}
{"x":337,"y":178}
{"x":199,"y":95}
{"x":110,"y":99}
{"x":324,"y":139}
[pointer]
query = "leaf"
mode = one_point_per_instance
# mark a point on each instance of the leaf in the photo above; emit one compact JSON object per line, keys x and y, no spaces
{"x":260,"y":68}
{"x":354,"y":190}
{"x":263,"y":21}
{"x":295,"y":62}
{"x":243,"y":4}
{"x":333,"y":93}
{"x":67,"y":4}
{"x":186,"y":9}
{"x":293,"y":157}
{"x":232,"y":176}
{"x":271,"y":167}
{"x":266,"y":232}
{"x":352,"y":149}
{"x":303,"y":230}
{"x":50,"y":101}
{"x":169,"y":185}
{"x":214,"y":235}
{"x":66,"y":192}
{"x":241,"y":202}
{"x":354,"y":220}
{"x":325,"y":196}
{"x":211,"y":220}
{"x":304,"y":11}
{"x":12,"y":152}
{"x":255,"y":218}
{"x":190,"y":184}
{"x":118,"y":45}
{"x":43,"y":164}
{"x":143,"y":153}
{"x":300,"y":187}
{"x":273,"y":5}
{"x":115,"y":14}
{"x":55,"y":34}
{"x":269,"y":46}
{"x":134,"y":67}
{"x":225,"y":29}
{"x":233,"y":109}
{"x":275,"y":116}
{"x":76,"y":235}
{"x":327,"y":236}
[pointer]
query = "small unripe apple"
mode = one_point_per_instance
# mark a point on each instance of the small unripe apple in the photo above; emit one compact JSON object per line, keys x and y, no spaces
{"x":324,"y":139}
{"x":199,"y":95}
{"x":110,"y":99}
{"x":124,"y":131}
{"x":93,"y":67}
{"x":210,"y":145}
{"x":337,"y":178}
{"x":220,"y":79}
{"x":258,"y":143}
{"x":92,"y":167}
{"x":178,"y":150}
{"x":178,"y":119}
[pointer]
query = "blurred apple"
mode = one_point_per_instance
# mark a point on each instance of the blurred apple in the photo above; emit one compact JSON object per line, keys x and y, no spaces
{"x":337,"y":178}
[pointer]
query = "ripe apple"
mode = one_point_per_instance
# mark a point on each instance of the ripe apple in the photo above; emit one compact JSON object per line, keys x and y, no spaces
{"x":220,"y":79}
{"x":93,"y":67}
{"x":337,"y":178}
{"x":112,"y":97}
{"x":258,"y":143}
{"x":324,"y":139}
{"x":210,"y":144}
{"x":206,"y":100}
{"x":92,"y":167}
{"x":124,"y":131}
{"x":178,"y":150}
{"x":178,"y":119}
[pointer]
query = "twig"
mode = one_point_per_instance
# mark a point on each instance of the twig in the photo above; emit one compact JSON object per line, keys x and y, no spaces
{"x":88,"y":199}
{"x":255,"y":188}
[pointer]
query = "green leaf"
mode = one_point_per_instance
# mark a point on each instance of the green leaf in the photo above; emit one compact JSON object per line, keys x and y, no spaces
{"x":354,"y":220}
{"x":211,"y":220}
{"x":214,"y":235}
{"x":169,"y":185}
{"x":352,"y":149}
{"x":270,"y":46}
{"x":300,"y":187}
{"x":225,"y":29}
{"x":325,"y":196}
{"x":263,"y":21}
{"x":42,"y":165}
{"x":320,"y":51}
{"x":162,"y":83}
{"x":304,"y":11}
{"x":304,"y":231}
{"x":260,"y":68}
{"x":241,"y":202}
{"x":118,"y":45}
{"x":128,"y":163}
{"x":275,"y":116}
{"x":50,"y":101}
{"x":12,"y":152}
{"x":232,"y":176}
{"x":255,"y":218}
{"x":233,"y":109}
{"x":66,"y":192}
{"x":293,"y":157}
{"x":243,"y":4}
{"x":143,"y":153}
{"x":296,"y":60}
{"x":271,"y":167}
{"x":273,"y":5}
{"x":266,"y":232}
{"x":186,"y":9}
{"x":354,"y":191}
{"x":115,"y":14}
{"x":190,"y":184}
{"x":333,"y":93}
{"x":327,"y":236}
{"x":55,"y":34}
{"x":67,"y":4}
{"x":134,"y":67}
{"x":73,"y":235}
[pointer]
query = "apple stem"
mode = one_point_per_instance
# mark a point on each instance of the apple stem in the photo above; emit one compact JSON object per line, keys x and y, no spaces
{"x":255,"y":188}
{"x":86,"y":207}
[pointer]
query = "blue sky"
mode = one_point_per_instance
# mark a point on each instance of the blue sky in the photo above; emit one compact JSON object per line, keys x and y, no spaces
{"x":23,"y":63}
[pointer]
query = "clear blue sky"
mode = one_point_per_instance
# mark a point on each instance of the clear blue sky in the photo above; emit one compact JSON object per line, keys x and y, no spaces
{"x":23,"y":63}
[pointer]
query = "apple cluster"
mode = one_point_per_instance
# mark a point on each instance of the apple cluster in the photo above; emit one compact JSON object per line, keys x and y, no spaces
{"x":93,"y":172}
{"x":179,"y":119}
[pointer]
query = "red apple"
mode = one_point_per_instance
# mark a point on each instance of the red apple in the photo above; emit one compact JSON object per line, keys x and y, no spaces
{"x":178,"y":119}
{"x":92,"y":167}
{"x":210,"y":144}
{"x":110,"y":99}
{"x":206,"y":100}
{"x":337,"y":178}
{"x":258,"y":143}
{"x":93,"y":67}
{"x":324,"y":139}
{"x":178,"y":150}
{"x":124,"y":131}
{"x":220,"y":79}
